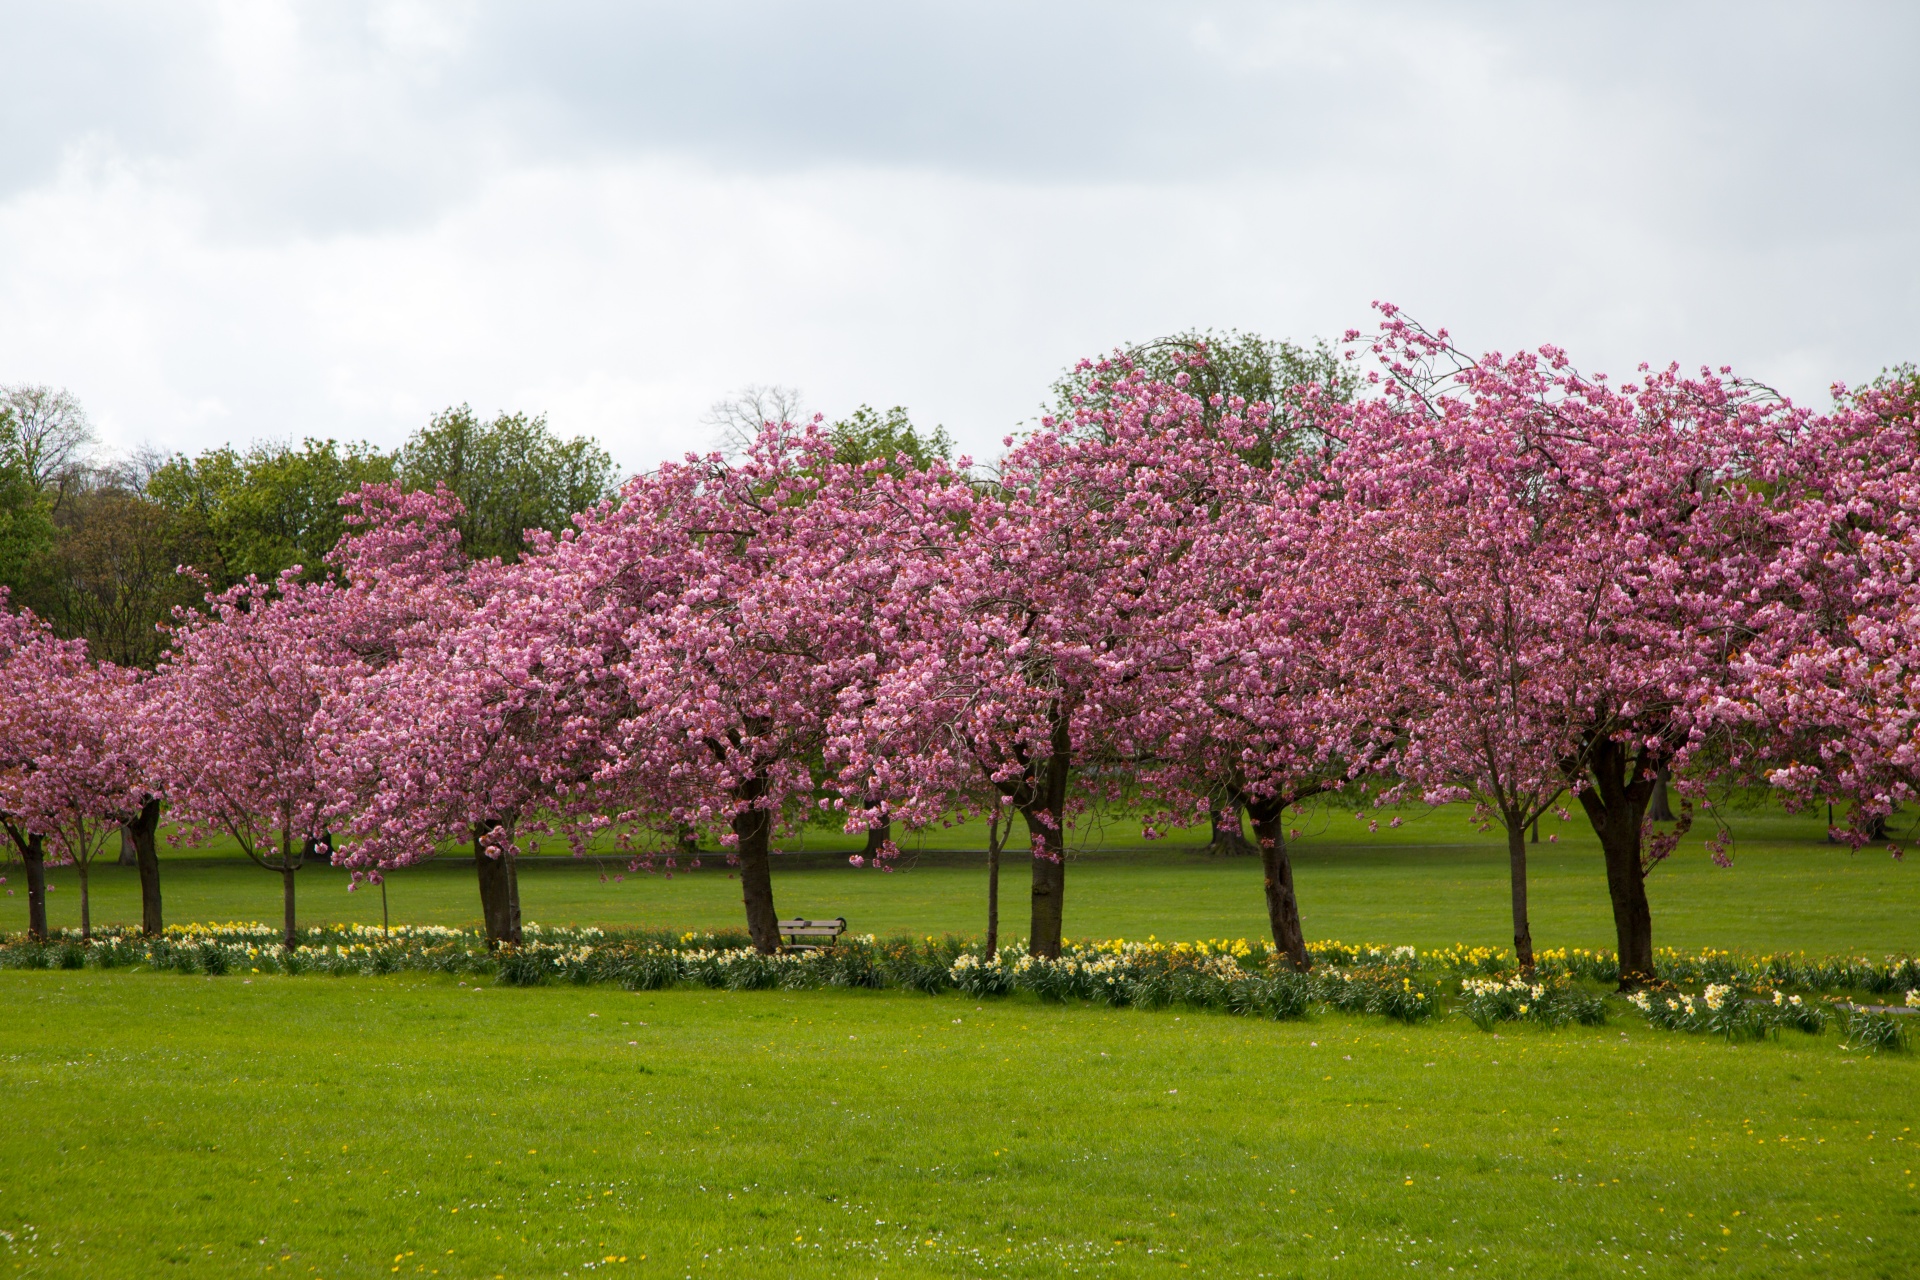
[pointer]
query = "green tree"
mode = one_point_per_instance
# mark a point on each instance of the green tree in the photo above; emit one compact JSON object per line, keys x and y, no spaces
{"x":1233,"y":365}
{"x":867,"y":434}
{"x":512,"y":474}
{"x":50,"y":434}
{"x":26,"y":531}
{"x":272,"y":506}
{"x":109,"y":573}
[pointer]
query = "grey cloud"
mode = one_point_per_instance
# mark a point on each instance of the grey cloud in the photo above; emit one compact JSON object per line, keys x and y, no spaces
{"x":1752,"y":115}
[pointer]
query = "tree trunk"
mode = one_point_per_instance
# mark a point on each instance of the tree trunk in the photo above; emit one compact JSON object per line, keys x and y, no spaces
{"x":1049,"y":882}
{"x":34,"y":854}
{"x":1228,"y":837}
{"x":1517,"y":871}
{"x":1632,"y":917}
{"x":754,"y":829}
{"x":1276,"y":868}
{"x":1659,"y":810}
{"x":878,"y":836}
{"x":292,"y":939}
{"x":513,"y":895}
{"x":1620,"y":784}
{"x":86,"y":899}
{"x":994,"y":841}
{"x":129,"y":854}
{"x":147,"y":857}
{"x":1047,"y":824}
{"x":499,"y":890}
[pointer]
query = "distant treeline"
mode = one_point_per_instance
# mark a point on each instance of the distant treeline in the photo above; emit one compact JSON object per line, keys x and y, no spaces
{"x":93,"y":546}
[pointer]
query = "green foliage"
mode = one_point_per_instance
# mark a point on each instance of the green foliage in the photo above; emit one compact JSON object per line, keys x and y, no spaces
{"x":110,"y":573}
{"x":1873,"y":1030}
{"x":1549,"y":1001}
{"x":26,"y":531}
{"x":867,"y":435}
{"x":512,"y":474}
{"x":1229,"y":372}
{"x":271,"y":506}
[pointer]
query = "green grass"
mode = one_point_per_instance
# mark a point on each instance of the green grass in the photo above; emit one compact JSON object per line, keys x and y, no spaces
{"x":1433,"y":882}
{"x":321,"y":1127}
{"x":160,"y":1124}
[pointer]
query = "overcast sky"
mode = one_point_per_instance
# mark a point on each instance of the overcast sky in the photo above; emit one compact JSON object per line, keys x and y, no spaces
{"x":256,"y":220}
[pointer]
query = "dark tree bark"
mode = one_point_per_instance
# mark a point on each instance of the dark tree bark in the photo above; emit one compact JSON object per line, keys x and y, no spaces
{"x":499,"y":889}
{"x":1517,"y":874}
{"x":1619,"y":785}
{"x":81,"y":870}
{"x":33,"y":852}
{"x":286,"y":893}
{"x":142,"y":830}
{"x":1047,"y":824}
{"x":1659,"y":809}
{"x":1049,"y":883}
{"x":878,"y":836}
{"x":1276,"y":868}
{"x":753,"y":827}
{"x":288,"y":865}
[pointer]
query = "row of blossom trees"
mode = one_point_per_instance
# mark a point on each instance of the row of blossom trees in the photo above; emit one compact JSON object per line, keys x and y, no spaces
{"x":1489,"y":579}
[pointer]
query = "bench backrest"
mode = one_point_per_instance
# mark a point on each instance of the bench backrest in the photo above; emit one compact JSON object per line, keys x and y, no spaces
{"x":813,"y":928}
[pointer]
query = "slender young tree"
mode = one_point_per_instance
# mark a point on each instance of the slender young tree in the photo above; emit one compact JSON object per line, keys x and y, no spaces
{"x":233,"y":713}
{"x":1255,"y":694}
{"x":1663,"y":526}
{"x":75,"y":772}
{"x":1459,"y":608}
{"x":21,"y":635}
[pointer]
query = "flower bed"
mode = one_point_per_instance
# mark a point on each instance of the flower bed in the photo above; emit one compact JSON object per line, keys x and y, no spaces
{"x":1745,"y":996}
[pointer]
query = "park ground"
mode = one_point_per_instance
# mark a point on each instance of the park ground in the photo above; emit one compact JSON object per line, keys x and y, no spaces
{"x":413,"y":1125}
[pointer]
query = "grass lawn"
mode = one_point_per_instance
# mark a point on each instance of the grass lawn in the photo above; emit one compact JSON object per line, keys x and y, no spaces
{"x":161,"y":1124}
{"x":1432,"y":882}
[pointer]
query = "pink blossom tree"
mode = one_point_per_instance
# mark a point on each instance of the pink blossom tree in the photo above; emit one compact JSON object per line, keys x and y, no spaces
{"x":74,"y":772}
{"x":439,"y":734}
{"x":1011,"y":654}
{"x":1254,"y":699}
{"x":233,"y":716}
{"x":1472,"y":634}
{"x":717,"y":614}
{"x":1836,"y":716}
{"x":1250,"y":693}
{"x":22,"y":634}
{"x":1658,"y":523}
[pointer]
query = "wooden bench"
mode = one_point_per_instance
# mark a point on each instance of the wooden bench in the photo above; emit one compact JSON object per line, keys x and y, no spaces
{"x":811,"y":935}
